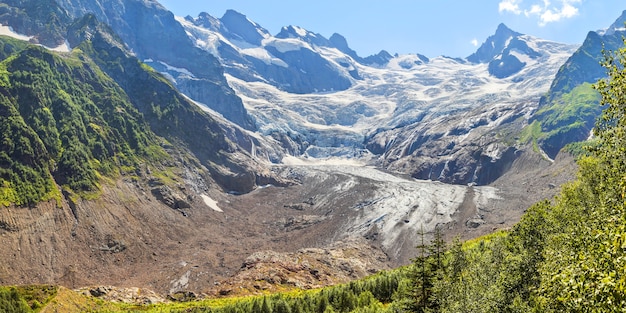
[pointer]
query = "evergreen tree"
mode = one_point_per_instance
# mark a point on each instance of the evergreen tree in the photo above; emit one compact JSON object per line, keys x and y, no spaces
{"x":280,"y":306}
{"x":425,"y":270}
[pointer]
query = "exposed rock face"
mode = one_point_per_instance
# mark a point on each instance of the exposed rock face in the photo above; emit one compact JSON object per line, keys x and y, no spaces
{"x":174,"y":200}
{"x":139,"y":22}
{"x":473,"y":152}
{"x":239,"y":27}
{"x":310,"y":268}
{"x":382,"y":58}
{"x":43,"y":20}
{"x":503,"y":51}
{"x":124,"y":295}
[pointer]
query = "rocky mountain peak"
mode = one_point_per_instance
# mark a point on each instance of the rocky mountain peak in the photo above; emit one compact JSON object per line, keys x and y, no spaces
{"x":504,"y":30}
{"x":507,"y":52}
{"x":380,"y":58}
{"x":494,"y":45}
{"x":206,"y":20}
{"x":292,"y":31}
{"x":238,"y":26}
{"x":340,"y":42}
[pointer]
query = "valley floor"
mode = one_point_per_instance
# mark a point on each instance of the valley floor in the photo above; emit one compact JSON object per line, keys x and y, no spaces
{"x":338,"y":223}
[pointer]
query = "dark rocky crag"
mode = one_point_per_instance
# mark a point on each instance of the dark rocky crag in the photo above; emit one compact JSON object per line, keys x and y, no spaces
{"x":498,"y":50}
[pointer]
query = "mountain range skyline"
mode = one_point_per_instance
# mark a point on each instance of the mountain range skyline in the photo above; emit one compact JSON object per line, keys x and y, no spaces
{"x":426,"y":28}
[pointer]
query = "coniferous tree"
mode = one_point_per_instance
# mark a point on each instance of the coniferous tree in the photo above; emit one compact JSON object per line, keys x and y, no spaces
{"x":426,"y":268}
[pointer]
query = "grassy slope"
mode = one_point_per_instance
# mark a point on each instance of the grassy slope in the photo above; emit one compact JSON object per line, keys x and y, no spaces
{"x":569,"y":118}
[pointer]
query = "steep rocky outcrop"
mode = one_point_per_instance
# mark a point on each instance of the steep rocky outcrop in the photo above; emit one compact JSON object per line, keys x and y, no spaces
{"x":139,"y":23}
{"x":267,"y":271}
{"x":503,"y":52}
{"x":43,"y":20}
{"x":238,"y":27}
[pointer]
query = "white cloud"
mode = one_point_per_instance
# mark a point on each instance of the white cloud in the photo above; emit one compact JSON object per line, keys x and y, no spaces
{"x":510,"y":6}
{"x":545,"y":11}
{"x":474,"y":42}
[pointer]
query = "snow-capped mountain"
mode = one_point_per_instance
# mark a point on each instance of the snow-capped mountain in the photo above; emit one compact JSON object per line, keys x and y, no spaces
{"x":291,"y":60}
{"x":506,"y":52}
{"x":432,"y":118}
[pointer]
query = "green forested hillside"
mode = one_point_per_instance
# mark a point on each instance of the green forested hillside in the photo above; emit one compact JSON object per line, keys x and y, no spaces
{"x":567,"y":255}
{"x":71,"y":119}
{"x":63,"y":119}
{"x":568,"y":118}
{"x":166,"y":111}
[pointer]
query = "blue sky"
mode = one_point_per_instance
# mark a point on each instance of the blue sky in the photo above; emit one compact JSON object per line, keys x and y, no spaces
{"x":434,"y":27}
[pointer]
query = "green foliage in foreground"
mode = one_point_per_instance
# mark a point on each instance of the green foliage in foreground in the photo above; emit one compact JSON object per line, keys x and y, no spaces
{"x":25,"y":299}
{"x":568,"y":255}
{"x":368,"y":295}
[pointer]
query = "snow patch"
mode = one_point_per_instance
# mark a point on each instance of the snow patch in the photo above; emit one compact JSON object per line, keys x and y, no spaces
{"x":265,"y":56}
{"x":211,"y":203}
{"x":65,"y":47}
{"x":177,"y":69}
{"x":8,"y":31}
{"x":287,"y":44}
{"x":300,"y":31}
{"x":204,"y":38}
{"x":524,"y":58}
